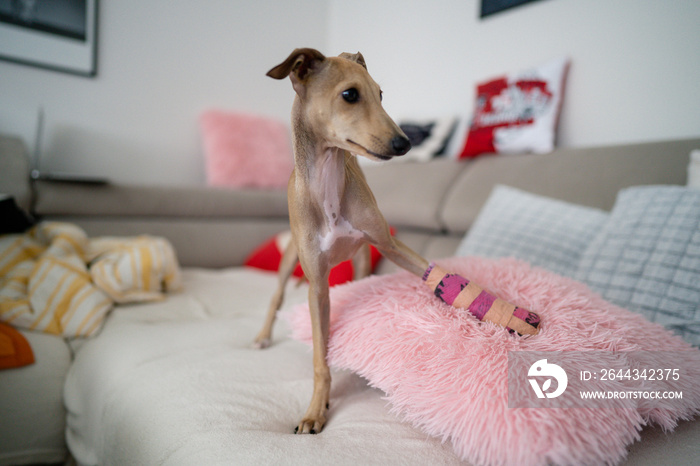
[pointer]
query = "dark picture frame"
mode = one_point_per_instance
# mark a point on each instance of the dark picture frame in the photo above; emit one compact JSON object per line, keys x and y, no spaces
{"x":59,"y":35}
{"x":490,"y":7}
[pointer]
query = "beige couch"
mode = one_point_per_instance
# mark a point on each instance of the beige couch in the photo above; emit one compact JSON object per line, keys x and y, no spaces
{"x":432,"y":206}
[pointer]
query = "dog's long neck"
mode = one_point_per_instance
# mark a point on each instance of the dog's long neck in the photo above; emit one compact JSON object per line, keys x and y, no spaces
{"x":320,"y":165}
{"x":324,"y":170}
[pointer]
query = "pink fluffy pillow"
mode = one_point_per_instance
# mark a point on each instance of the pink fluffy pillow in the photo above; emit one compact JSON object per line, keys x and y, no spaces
{"x":447,"y":374}
{"x":245,"y":151}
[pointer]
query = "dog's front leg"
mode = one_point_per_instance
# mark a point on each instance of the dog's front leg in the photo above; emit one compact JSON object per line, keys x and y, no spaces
{"x":403,"y":256}
{"x":319,"y":306}
{"x":287,"y":265}
{"x":452,"y":289}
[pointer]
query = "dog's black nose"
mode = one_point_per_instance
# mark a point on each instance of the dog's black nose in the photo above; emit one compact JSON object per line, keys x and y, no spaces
{"x":400,"y":144}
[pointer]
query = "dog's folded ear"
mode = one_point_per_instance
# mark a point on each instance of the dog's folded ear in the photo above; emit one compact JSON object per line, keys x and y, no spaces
{"x":356,"y":57}
{"x":298,"y":65}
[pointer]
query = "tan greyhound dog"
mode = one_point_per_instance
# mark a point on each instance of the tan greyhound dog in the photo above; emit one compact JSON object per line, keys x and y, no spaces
{"x":337,"y":114}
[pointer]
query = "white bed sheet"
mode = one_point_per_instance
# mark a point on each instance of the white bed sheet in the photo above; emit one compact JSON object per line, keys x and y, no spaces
{"x":176,"y":383}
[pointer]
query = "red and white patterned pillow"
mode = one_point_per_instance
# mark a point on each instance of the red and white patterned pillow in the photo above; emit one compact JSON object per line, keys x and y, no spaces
{"x":518,"y":113}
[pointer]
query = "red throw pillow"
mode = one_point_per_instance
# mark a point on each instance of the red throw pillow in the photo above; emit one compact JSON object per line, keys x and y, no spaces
{"x":268,"y":255}
{"x":518,"y":113}
{"x":14,"y":348}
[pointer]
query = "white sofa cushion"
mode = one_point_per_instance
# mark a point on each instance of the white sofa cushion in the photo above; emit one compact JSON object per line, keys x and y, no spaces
{"x":176,"y":382}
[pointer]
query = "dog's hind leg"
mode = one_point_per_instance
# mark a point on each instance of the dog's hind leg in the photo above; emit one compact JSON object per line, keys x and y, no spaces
{"x":287,"y":265}
{"x":362,"y":263}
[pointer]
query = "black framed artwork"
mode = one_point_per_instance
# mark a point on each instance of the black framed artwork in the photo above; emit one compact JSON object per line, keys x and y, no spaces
{"x":59,"y":35}
{"x":490,"y":7}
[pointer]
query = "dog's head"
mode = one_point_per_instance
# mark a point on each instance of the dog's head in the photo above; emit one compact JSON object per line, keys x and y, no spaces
{"x":342,"y":104}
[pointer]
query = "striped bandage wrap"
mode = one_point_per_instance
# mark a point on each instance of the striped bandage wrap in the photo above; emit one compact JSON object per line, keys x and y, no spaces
{"x":457,"y":291}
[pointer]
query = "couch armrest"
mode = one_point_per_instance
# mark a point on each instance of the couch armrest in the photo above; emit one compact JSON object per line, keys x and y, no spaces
{"x":14,"y":171}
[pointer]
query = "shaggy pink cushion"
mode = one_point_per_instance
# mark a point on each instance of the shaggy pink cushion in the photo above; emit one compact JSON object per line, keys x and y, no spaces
{"x":245,"y":151}
{"x":446,"y":373}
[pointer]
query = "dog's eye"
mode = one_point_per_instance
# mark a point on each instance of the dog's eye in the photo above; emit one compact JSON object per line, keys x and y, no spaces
{"x":381,"y":96}
{"x":351,"y":95}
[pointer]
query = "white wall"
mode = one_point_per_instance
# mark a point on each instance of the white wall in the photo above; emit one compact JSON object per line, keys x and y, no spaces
{"x":160,"y":64}
{"x":635,"y":72}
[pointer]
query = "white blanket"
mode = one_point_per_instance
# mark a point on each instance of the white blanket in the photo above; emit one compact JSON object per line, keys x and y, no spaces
{"x":176,"y":383}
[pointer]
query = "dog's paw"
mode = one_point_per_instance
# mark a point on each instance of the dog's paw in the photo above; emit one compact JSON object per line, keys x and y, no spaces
{"x":310,"y":426}
{"x":296,"y":431}
{"x":313,"y":420}
{"x":261,"y":343}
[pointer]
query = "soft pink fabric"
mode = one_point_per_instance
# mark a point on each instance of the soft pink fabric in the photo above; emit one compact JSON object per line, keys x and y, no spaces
{"x":245,"y":151}
{"x":446,"y":373}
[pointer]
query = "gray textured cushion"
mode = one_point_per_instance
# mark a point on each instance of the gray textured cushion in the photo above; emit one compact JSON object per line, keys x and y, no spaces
{"x":647,"y":258}
{"x":542,"y":231}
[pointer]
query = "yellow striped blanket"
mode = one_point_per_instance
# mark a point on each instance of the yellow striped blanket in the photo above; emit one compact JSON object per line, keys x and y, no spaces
{"x":56,"y":280}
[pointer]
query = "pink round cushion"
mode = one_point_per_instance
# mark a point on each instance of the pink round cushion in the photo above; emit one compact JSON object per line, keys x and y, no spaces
{"x":446,"y":373}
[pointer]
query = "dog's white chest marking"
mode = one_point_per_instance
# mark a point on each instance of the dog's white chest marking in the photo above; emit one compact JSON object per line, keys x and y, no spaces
{"x":331,"y":180}
{"x":338,"y":227}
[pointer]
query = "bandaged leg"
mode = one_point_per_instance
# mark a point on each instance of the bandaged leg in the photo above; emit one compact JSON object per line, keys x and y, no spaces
{"x":459,"y":292}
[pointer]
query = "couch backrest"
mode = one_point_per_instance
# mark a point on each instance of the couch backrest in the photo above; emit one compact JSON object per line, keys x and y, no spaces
{"x":446,"y":196}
